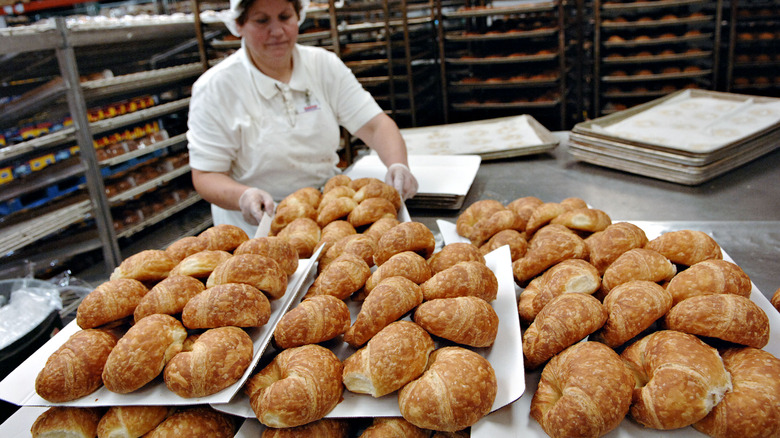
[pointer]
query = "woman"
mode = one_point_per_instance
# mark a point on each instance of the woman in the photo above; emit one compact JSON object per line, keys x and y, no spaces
{"x":265,"y":121}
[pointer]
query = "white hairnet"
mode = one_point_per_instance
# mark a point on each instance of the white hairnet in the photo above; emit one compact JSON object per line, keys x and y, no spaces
{"x":229,"y":18}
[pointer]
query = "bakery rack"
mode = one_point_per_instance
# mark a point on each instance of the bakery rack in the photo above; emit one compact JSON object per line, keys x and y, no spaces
{"x":753,"y":47}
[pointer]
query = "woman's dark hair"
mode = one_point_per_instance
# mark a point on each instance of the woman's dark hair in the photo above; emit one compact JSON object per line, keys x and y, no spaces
{"x":245,"y":4}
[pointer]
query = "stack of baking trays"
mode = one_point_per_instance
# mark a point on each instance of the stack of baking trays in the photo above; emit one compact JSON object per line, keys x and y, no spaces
{"x":687,"y":137}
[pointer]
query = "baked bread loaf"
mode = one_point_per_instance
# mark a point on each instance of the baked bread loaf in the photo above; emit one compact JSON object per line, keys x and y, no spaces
{"x":632,"y":307}
{"x":568,"y":276}
{"x":110,"y":301}
{"x":141,"y":354}
{"x":75,"y":369}
{"x":201,"y":264}
{"x":131,"y":421}
{"x":300,"y":385}
{"x":453,"y":253}
{"x":255,"y":270}
{"x":325,"y":428}
{"x":303,"y":234}
{"x":341,"y":278}
{"x":464,"y":320}
{"x":728,"y":317}
{"x":393,"y":427}
{"x":550,"y":245}
{"x":404,"y":264}
{"x":335,"y":209}
{"x":515,"y":239}
{"x":710,"y":277}
{"x":148,"y":265}
{"x":751,"y":408}
{"x":391,"y":299}
{"x":589,"y":220}
{"x":380,"y":227}
{"x":209,"y":363}
{"x":604,"y":247}
{"x":406,"y":236}
{"x":316,"y":319}
{"x":223,"y":237}
{"x":638,"y":264}
{"x":371,"y":210}
{"x":377,"y":189}
{"x":686,"y":247}
{"x":584,"y":391}
{"x":462,"y":279}
{"x":274,"y":248}
{"x":66,"y":421}
{"x":392,"y":358}
{"x":197,"y":421}
{"x":456,"y":391}
{"x":358,"y":244}
{"x":564,"y":321}
{"x":236,"y":304}
{"x":169,"y":296}
{"x":335,"y":231}
{"x":184,"y":247}
{"x":678,"y":379}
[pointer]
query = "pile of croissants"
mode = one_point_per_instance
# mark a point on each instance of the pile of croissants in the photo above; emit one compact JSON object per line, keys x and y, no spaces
{"x":661,"y":330}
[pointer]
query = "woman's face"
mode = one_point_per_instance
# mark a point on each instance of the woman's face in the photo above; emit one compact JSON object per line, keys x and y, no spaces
{"x":270,"y":32}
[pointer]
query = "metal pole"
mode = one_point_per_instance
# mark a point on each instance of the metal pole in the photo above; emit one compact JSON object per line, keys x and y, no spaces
{"x":204,"y":59}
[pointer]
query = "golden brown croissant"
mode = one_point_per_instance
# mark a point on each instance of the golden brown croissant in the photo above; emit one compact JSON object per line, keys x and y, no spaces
{"x":185,"y":246}
{"x":638,"y":264}
{"x":75,"y":369}
{"x":750,"y":409}
{"x":147,"y":265}
{"x":380,"y":227}
{"x":686,"y":247}
{"x":678,"y":379}
{"x":525,"y":304}
{"x":710,"y":277}
{"x":316,"y":319}
{"x":275,"y":248}
{"x":335,"y":193}
{"x":371,"y":210}
{"x":300,"y":385}
{"x":357,"y":244}
{"x":287,"y":213}
{"x":604,"y":247}
{"x":776,"y":299}
{"x":462,"y":279}
{"x":589,"y":220}
{"x":404,"y":264}
{"x":393,"y":427}
{"x":406,"y":236}
{"x":168,"y":296}
{"x":473,"y":214}
{"x":341,"y":278}
{"x":389,"y":301}
{"x":134,"y":421}
{"x":109,"y":302}
{"x":543,"y":215}
{"x":524,"y":208}
{"x":303,"y":234}
{"x":325,"y":428}
{"x":464,"y":320}
{"x":66,"y":421}
{"x":457,"y":390}
{"x":223,"y":237}
{"x":336,"y":181}
{"x":564,"y":321}
{"x":197,"y":421}
{"x":453,"y":253}
{"x":583,"y":391}
{"x":358,"y":183}
{"x":227,"y":304}
{"x":142,"y":352}
{"x":394,"y":357}
{"x":728,"y":317}
{"x":378,"y":189}
{"x":307,"y":195}
{"x":568,"y":276}
{"x":335,"y":209}
{"x":214,"y":361}
{"x":632,"y":307}
{"x":574,"y":203}
{"x":201,"y":264}
{"x":550,"y":245}
{"x":515,"y":239}
{"x":333,"y":232}
{"x":255,"y":270}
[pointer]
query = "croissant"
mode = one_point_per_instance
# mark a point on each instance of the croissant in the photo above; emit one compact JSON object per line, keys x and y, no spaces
{"x":750,"y":409}
{"x":589,"y":220}
{"x":604,"y":247}
{"x":568,"y":276}
{"x":515,"y":239}
{"x":464,"y":320}
{"x":380,"y":227}
{"x":686,"y":247}
{"x":132,"y":421}
{"x":389,"y":301}
{"x":252,"y":269}
{"x":678,"y":379}
{"x":335,"y":231}
{"x":338,"y":208}
{"x":147,"y":265}
{"x":214,"y":361}
{"x":406,"y":236}
{"x":394,"y":357}
{"x":75,"y":369}
{"x":371,"y":210}
{"x":357,"y":244}
{"x":341,"y":278}
{"x":457,"y":390}
{"x":378,"y":189}
{"x":463,"y":279}
{"x":632,"y":307}
{"x":525,"y":304}
{"x":197,"y":421}
{"x":201,"y":264}
{"x":481,"y":210}
{"x":584,"y":391}
{"x":574,"y":203}
{"x":168,"y":296}
{"x":274,"y":248}
{"x":393,"y":427}
{"x":335,"y":193}
{"x":303,"y":234}
{"x":776,"y":299}
{"x":227,"y":304}
{"x":404,"y":264}
{"x":638,"y":264}
{"x":66,"y":421}
{"x":223,"y":237}
{"x":710,"y":277}
{"x":324,"y":428}
{"x":185,"y":246}
{"x":109,"y":302}
{"x":543,"y":215}
{"x":287,"y":213}
{"x":524,"y":208}
{"x":453,"y":253}
{"x":316,"y":319}
{"x":358,"y":183}
{"x":550,"y":245}
{"x":564,"y":321}
{"x":307,"y":195}
{"x":728,"y":317}
{"x":336,"y":181}
{"x":300,"y":385}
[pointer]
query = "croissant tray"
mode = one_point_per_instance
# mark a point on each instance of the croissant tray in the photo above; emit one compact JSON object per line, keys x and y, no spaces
{"x":19,"y":386}
{"x":515,"y":420}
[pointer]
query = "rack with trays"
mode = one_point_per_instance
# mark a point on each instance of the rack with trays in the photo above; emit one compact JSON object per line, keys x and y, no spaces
{"x":754,"y":48}
{"x":646,"y":49}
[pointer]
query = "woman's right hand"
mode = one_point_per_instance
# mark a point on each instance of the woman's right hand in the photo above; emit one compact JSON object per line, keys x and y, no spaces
{"x":254,"y":203}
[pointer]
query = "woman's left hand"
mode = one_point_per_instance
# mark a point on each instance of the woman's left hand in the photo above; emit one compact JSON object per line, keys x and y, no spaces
{"x":399,"y":176}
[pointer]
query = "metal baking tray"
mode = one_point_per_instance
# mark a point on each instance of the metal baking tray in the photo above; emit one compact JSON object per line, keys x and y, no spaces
{"x":656,"y":23}
{"x":462,"y":36}
{"x":654,"y":41}
{"x":515,"y":9}
{"x":506,"y":105}
{"x":648,"y":5}
{"x":506,"y":83}
{"x":657,"y":76}
{"x":657,"y":58}
{"x":509,"y":59}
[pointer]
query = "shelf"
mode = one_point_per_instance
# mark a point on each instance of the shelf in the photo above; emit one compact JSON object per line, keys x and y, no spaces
{"x":538,"y":33}
{"x":506,"y":105}
{"x":165,"y":214}
{"x":657,"y":58}
{"x":648,"y":5}
{"x":656,"y":77}
{"x":20,"y":235}
{"x":510,"y":59}
{"x":502,"y":10}
{"x":657,"y":41}
{"x":656,"y":23}
{"x":148,"y":149}
{"x":132,"y":193}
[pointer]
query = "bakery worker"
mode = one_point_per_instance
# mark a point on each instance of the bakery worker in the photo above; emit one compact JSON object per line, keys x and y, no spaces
{"x":264,"y":122}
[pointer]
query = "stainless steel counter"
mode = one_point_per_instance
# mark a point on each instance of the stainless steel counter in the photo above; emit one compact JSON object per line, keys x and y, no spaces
{"x":740,"y":209}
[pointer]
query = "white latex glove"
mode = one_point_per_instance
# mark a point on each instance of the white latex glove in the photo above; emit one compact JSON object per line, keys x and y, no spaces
{"x":254,"y":203}
{"x":400,"y":177}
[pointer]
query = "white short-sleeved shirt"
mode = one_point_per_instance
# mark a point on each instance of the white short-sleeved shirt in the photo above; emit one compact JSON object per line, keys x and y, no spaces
{"x":271,"y":135}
